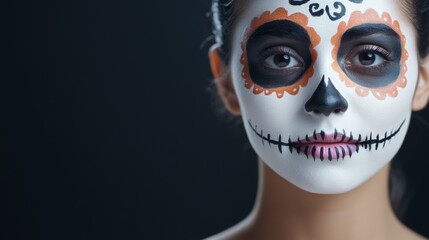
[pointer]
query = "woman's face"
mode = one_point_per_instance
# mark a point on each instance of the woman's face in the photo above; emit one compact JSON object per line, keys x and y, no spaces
{"x":325,"y":87}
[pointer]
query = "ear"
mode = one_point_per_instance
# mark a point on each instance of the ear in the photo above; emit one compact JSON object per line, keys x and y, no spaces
{"x":223,"y":81}
{"x":421,"y":96}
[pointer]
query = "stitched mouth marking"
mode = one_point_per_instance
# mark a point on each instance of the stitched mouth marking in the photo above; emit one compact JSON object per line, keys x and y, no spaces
{"x":323,"y":146}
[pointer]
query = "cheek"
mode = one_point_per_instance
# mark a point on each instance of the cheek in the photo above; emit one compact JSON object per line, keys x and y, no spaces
{"x":272,"y":113}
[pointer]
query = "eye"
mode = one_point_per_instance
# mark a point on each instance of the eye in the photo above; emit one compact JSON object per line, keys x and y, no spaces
{"x":367,"y":56}
{"x":368,"y":59}
{"x":282,"y":58}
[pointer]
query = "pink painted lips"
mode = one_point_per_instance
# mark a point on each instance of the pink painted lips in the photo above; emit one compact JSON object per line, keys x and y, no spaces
{"x":329,"y":147}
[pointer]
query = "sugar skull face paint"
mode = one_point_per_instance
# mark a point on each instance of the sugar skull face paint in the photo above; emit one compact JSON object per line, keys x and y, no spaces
{"x":278,"y":53}
{"x":335,"y":11}
{"x":317,"y":131}
{"x":369,"y":56}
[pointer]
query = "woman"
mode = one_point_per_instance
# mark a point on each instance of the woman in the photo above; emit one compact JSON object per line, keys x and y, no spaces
{"x":325,"y":91}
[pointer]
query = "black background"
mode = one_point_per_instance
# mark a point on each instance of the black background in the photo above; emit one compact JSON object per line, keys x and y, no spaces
{"x":109,"y":129}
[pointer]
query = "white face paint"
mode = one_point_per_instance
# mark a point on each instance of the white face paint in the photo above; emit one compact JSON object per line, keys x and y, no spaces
{"x":328,"y":106}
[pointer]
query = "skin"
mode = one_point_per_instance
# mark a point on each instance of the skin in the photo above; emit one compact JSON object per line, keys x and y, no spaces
{"x":286,"y":210}
{"x":283,"y":211}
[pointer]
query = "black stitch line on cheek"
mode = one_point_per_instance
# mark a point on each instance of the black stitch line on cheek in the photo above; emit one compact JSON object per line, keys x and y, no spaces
{"x":385,"y":136}
{"x":262,"y":134}
{"x":270,"y":141}
{"x":351,"y":137}
{"x":366,"y":144}
{"x":370,"y":139}
{"x":378,"y":139}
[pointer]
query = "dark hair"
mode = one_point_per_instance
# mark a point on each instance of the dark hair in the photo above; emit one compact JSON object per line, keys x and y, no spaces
{"x":224,"y":15}
{"x":419,"y":12}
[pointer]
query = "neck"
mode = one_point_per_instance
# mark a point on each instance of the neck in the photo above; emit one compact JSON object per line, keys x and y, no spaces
{"x":284,"y":211}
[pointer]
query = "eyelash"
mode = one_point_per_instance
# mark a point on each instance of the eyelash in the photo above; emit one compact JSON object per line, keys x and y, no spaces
{"x":369,"y":48}
{"x":280,"y":50}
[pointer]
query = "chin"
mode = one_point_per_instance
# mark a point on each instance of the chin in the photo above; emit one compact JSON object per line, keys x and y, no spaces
{"x":329,"y":181}
{"x":329,"y":172}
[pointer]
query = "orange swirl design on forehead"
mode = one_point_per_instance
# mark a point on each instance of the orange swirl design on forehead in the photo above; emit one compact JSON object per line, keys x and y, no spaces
{"x":267,"y":16}
{"x":372,"y":16}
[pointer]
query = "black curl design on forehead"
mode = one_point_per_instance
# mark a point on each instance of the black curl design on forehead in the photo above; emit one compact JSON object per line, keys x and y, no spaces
{"x":335,"y":11}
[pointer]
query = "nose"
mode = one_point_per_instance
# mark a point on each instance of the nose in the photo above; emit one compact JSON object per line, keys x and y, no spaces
{"x":326,"y":100}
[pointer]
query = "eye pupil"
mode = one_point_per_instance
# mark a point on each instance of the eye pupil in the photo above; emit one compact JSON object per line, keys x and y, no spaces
{"x":367,"y":58}
{"x":282,"y":60}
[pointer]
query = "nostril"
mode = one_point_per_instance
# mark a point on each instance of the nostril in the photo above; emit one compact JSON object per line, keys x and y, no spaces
{"x":326,"y":100}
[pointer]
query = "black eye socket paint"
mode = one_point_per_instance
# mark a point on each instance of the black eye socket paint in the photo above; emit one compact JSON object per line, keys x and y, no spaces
{"x":370,"y":55}
{"x":274,"y":39}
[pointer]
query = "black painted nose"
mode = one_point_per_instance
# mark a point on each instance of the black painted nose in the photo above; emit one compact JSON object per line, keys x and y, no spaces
{"x":326,"y":99}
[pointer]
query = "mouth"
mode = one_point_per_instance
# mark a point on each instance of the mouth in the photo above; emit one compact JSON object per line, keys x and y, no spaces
{"x":323,"y":146}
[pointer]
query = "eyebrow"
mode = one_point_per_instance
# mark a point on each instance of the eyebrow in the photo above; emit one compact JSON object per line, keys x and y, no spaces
{"x":368,"y":29}
{"x":281,"y":28}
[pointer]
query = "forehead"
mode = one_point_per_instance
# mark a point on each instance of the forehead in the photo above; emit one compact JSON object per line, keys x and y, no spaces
{"x":323,"y":16}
